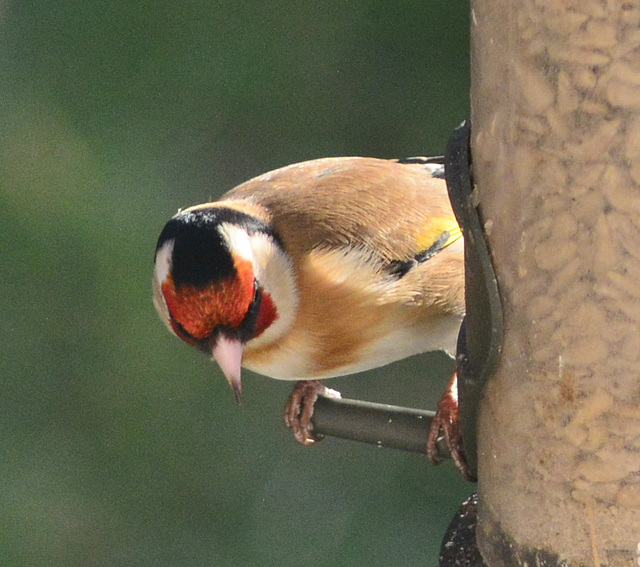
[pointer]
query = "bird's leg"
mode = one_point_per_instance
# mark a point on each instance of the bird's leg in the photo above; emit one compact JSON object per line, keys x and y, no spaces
{"x":299,"y":409}
{"x":447,"y":419}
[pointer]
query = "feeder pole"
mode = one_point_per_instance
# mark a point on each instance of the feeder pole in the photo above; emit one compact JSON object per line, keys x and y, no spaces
{"x":555,"y":143}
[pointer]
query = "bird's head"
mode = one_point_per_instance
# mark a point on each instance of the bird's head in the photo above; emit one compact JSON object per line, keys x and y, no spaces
{"x":220,"y":277}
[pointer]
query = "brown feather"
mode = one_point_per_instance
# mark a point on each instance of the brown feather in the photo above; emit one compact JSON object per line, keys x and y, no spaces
{"x":343,"y":220}
{"x":381,"y":205}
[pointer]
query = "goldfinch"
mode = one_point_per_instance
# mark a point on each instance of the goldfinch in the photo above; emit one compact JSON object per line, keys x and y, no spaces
{"x":319,"y":269}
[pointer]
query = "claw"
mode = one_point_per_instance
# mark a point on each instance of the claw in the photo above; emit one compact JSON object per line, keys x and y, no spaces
{"x":447,"y":419}
{"x":299,"y":409}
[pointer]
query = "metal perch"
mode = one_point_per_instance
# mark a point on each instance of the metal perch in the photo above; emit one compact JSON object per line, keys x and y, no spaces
{"x":383,"y":425}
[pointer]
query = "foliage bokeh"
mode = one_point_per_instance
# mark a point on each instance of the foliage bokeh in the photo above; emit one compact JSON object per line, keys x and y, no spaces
{"x":121,"y":446}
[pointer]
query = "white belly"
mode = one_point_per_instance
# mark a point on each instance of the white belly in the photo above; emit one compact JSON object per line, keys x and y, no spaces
{"x":292,"y":361}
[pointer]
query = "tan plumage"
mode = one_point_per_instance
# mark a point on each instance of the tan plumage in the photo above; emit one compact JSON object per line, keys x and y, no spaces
{"x":343,"y":222}
{"x":390,"y":209}
{"x":318,"y":269}
{"x":358,"y":215}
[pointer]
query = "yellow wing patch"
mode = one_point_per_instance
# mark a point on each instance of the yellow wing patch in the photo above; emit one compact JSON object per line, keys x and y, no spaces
{"x":435,"y":230}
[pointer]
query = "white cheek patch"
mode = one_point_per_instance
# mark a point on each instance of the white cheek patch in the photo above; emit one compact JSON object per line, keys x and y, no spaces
{"x":160,"y":274}
{"x":275,"y":274}
{"x":163,"y":261}
{"x":238,"y":240}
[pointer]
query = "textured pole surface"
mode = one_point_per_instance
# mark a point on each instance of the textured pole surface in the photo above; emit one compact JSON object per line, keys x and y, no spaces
{"x":556,"y":156}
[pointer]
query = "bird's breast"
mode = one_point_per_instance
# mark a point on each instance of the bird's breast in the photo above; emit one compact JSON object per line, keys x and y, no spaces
{"x":349,"y":320}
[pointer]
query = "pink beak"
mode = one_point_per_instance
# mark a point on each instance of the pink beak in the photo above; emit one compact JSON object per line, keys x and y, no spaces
{"x":227,"y":353}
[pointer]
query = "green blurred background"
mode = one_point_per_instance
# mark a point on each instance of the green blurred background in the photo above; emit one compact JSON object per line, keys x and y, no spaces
{"x":121,"y":445}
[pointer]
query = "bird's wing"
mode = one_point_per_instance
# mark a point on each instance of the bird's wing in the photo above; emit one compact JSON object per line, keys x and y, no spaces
{"x":397,"y":213}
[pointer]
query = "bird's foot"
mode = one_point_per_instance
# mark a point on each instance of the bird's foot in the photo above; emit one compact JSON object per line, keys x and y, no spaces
{"x":447,"y":420}
{"x":299,"y":409}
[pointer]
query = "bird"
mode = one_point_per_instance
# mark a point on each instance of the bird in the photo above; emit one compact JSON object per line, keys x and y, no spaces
{"x":318,"y":269}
